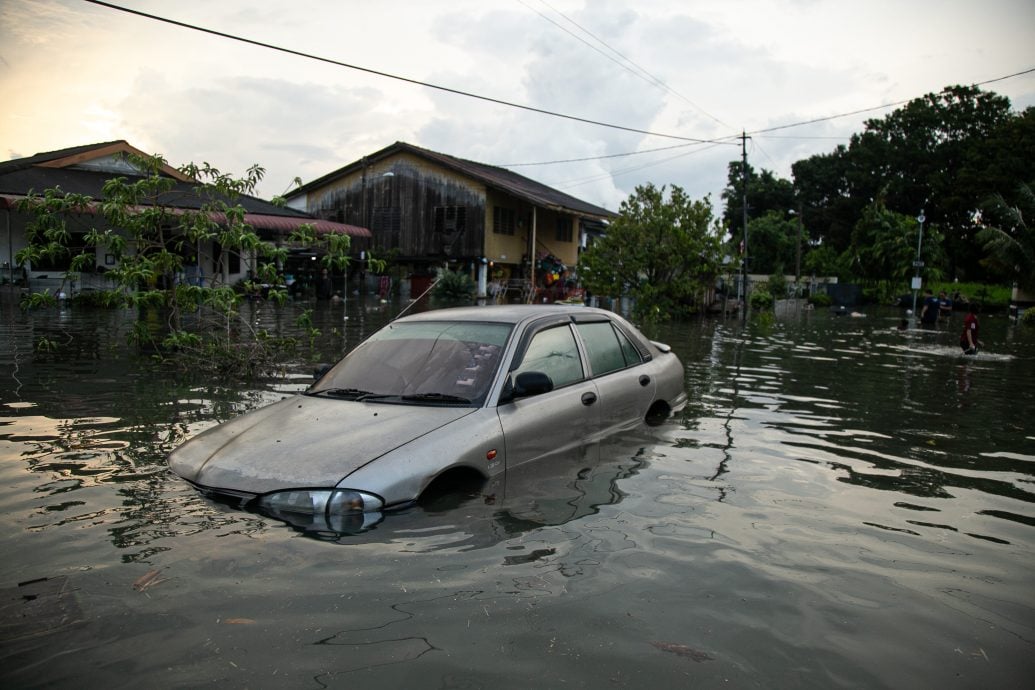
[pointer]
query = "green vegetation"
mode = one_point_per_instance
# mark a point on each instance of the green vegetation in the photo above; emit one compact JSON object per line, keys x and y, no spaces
{"x":955,"y":156}
{"x":761,"y":299}
{"x":194,"y":326}
{"x":661,"y":251}
{"x":977,"y":292}
{"x":454,"y":286}
{"x":821,"y":300}
{"x":1009,"y":238}
{"x":952,"y":158}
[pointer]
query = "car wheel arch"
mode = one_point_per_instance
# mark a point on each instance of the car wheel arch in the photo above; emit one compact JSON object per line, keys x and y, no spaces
{"x":458,"y":480}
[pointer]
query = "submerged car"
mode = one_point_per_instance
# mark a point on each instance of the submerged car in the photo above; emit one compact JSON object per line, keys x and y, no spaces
{"x":468,"y":392}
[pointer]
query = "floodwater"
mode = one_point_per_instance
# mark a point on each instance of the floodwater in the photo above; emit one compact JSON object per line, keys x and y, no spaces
{"x":841,"y":504}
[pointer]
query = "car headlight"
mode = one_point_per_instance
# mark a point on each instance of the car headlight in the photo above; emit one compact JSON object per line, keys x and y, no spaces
{"x":321,"y":502}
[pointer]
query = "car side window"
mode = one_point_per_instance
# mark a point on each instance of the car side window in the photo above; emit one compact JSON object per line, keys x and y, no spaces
{"x":632,"y":355}
{"x":554,"y":352}
{"x":605,"y":347}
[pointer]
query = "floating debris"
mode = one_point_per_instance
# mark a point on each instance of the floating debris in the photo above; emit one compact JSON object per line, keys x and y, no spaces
{"x":682,"y":650}
{"x":148,"y":579}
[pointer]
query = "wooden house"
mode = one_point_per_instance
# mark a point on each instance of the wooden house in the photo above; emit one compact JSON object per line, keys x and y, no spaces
{"x":427,"y":210}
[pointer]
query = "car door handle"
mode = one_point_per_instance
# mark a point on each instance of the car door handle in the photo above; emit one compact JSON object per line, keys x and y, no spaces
{"x":589,"y":398}
{"x":644,"y":380}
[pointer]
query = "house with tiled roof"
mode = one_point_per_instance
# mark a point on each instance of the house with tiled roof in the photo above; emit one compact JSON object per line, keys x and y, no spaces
{"x":428,"y":209}
{"x":84,"y":170}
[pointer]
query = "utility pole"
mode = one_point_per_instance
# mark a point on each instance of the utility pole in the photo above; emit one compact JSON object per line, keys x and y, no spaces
{"x":744,"y":207}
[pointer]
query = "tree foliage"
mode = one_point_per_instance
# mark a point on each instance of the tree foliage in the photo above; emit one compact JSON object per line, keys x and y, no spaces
{"x":944,"y":154}
{"x":151,"y":239}
{"x":659,"y":251}
{"x":1009,"y":237}
{"x":772,"y":243}
{"x":885,"y":243}
{"x":766,"y":193}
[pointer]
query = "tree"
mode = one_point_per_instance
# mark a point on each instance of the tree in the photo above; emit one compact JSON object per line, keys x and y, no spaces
{"x":922,"y":156}
{"x":944,"y":153}
{"x":825,"y":194}
{"x":823,"y":260}
{"x":765,"y":193}
{"x":884,"y":249}
{"x":772,"y":243}
{"x":1009,"y":239}
{"x":661,"y":252}
{"x":149,"y":239}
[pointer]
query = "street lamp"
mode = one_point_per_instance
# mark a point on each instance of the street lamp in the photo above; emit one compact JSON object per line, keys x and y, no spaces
{"x":797,"y":253}
{"x":918,"y":264}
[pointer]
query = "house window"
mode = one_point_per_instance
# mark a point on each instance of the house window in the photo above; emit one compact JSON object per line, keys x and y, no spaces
{"x":450,"y":219}
{"x":503,"y":220}
{"x":564,"y":232}
{"x":386,"y":220}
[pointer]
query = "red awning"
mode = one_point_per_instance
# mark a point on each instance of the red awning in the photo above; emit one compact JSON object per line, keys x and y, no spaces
{"x":259,"y":221}
{"x":284,"y":224}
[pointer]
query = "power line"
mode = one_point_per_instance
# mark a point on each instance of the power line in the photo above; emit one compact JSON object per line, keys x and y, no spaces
{"x":584,"y":41}
{"x":834,"y":138}
{"x":605,"y":157}
{"x":770,"y":129}
{"x":368,"y":70}
{"x":641,"y":71}
{"x":882,"y":107}
{"x":520,"y":106}
{"x":625,"y":171}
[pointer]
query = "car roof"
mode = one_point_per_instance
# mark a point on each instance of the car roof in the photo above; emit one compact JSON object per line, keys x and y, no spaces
{"x":504,"y":313}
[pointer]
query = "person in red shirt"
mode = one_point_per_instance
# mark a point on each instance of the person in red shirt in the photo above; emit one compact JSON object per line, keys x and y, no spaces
{"x":969,"y":338}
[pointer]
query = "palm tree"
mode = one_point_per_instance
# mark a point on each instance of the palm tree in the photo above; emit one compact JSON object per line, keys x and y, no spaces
{"x":1011,"y":242}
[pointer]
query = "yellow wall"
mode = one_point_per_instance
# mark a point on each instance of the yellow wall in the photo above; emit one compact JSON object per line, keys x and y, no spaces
{"x":546,"y":235}
{"x":511,"y":248}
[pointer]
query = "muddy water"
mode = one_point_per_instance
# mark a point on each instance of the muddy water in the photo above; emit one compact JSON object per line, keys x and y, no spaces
{"x":842,"y":504}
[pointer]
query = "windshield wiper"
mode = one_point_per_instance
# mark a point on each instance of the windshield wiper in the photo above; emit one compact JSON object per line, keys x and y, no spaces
{"x":437,"y":397}
{"x":349,"y":393}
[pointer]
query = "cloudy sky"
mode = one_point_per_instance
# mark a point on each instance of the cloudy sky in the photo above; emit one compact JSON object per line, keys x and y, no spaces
{"x":73,"y":72}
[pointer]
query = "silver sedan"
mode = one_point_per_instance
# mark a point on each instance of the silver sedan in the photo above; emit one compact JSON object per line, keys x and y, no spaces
{"x":431,"y":399}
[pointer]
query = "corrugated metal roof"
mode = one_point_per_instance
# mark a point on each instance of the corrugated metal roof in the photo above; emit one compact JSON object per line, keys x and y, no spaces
{"x":20,"y":177}
{"x":490,"y":175}
{"x":259,"y":221}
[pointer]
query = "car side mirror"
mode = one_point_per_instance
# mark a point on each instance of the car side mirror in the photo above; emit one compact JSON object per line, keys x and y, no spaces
{"x":320,"y":370}
{"x":529,"y":383}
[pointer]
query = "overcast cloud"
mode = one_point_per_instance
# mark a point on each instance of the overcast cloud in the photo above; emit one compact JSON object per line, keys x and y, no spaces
{"x":74,"y":73}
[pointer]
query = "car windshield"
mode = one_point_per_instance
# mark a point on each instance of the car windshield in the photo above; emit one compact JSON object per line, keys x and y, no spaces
{"x":422,"y":362}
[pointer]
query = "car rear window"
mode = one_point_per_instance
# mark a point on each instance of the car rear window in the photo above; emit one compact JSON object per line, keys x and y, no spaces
{"x":605,"y":350}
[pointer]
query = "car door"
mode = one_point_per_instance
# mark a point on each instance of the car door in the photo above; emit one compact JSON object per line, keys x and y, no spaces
{"x":538,"y":426}
{"x":624,"y":384}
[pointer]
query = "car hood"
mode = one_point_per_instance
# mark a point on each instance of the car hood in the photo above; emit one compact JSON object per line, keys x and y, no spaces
{"x":303,"y":442}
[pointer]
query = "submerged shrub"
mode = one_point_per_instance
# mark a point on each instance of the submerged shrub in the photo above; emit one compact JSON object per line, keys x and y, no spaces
{"x":761,"y":299}
{"x":820,"y":299}
{"x":454,"y":285}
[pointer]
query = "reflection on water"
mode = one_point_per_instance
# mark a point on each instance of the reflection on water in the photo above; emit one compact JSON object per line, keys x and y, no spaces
{"x":836,"y":492}
{"x":471,"y":514}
